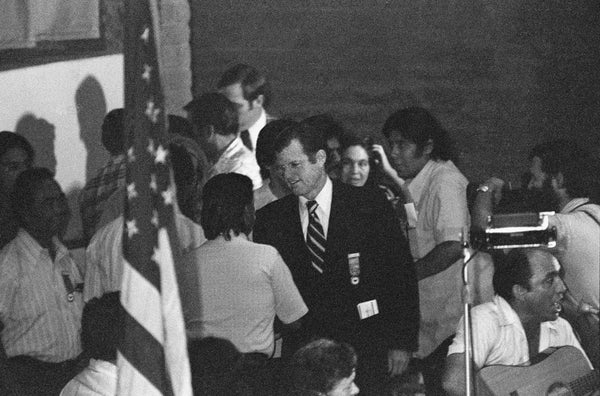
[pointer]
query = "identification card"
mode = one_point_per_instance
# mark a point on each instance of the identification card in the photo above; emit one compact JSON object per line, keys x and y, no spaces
{"x":367,"y":309}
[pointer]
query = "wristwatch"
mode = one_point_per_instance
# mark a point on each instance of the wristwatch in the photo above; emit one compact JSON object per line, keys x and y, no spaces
{"x":483,"y":188}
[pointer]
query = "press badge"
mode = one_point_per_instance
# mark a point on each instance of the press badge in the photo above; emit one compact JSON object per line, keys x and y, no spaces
{"x":367,"y":309}
{"x":354,"y":267}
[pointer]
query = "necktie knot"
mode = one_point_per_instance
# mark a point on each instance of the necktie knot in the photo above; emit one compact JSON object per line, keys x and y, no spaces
{"x":311,"y":206}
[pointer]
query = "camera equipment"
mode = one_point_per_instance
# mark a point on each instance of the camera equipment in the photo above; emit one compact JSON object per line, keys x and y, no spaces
{"x":515,"y":230}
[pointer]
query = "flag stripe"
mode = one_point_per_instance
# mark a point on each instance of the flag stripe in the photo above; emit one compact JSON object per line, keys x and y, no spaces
{"x":137,"y":300}
{"x":131,"y":381}
{"x":147,"y":269}
{"x":140,"y":345}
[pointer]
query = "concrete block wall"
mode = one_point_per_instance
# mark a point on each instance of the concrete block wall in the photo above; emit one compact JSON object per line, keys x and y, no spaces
{"x":501,"y":75}
{"x":175,"y":54}
{"x":175,"y":46}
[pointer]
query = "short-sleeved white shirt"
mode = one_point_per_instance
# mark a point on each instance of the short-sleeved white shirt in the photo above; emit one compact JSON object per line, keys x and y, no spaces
{"x":242,"y":286}
{"x":104,"y":255}
{"x":499,"y":337}
{"x":440,"y":194}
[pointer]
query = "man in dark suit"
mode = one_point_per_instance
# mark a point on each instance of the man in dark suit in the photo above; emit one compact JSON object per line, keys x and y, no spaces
{"x":356,"y":273}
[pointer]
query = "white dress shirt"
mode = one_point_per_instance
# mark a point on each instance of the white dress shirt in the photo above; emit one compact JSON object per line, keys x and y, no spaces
{"x":255,"y":129}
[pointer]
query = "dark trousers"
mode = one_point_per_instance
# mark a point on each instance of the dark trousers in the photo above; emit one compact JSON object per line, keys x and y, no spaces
{"x":29,"y":376}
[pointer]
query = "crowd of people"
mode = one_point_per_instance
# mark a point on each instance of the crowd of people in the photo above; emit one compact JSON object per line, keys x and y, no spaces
{"x":310,"y":260}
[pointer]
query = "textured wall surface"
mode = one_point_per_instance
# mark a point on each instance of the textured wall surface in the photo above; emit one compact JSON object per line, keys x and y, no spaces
{"x":175,"y":54}
{"x":501,"y":75}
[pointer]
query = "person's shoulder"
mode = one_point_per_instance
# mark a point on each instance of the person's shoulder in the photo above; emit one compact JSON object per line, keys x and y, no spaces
{"x":489,"y":313}
{"x":108,"y":232}
{"x":275,"y":208}
{"x":359,"y":198}
{"x":266,"y":252}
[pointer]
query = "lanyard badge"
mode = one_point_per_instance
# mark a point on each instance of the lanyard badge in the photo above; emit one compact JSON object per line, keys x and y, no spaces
{"x":354,"y":268}
{"x":69,"y":286}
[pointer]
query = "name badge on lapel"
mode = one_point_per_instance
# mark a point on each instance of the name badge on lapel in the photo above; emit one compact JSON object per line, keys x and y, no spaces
{"x":354,"y":268}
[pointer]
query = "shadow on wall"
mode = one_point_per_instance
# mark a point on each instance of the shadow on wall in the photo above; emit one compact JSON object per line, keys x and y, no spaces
{"x":41,"y":134}
{"x":91,"y":109}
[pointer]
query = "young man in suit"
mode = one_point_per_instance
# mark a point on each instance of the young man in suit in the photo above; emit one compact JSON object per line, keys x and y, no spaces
{"x":250,"y":91}
{"x":348,"y":257}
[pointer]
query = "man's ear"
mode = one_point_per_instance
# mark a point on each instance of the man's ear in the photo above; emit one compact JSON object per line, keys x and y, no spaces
{"x":518,"y":292}
{"x":209,"y":130}
{"x":260,"y":99}
{"x":558,"y":181}
{"x":321,"y":157}
{"x":428,"y":147}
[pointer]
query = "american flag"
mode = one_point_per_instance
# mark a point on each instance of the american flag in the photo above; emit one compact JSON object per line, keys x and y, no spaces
{"x":152,"y":358}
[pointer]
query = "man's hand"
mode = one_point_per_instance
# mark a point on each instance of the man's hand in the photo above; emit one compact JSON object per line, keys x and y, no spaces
{"x":382,"y":160}
{"x":495,"y":185}
{"x":397,"y":361}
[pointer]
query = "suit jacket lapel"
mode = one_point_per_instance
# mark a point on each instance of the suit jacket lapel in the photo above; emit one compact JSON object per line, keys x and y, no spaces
{"x":337,"y":223}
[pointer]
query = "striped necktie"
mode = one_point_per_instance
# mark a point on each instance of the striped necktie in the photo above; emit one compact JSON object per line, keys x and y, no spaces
{"x":315,"y":237}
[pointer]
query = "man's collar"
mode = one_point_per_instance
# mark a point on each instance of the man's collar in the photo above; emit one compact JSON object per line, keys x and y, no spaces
{"x":507,"y":313}
{"x":416,"y":185}
{"x":573,"y":204}
{"x":32,"y":246}
{"x":323,"y":198}
{"x":259,"y":123}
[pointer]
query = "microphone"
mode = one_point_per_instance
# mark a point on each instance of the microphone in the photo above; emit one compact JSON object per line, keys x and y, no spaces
{"x":582,"y":306}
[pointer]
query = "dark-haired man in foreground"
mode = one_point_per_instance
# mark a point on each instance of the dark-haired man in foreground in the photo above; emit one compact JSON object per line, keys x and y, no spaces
{"x":522,"y":320}
{"x":348,"y":258}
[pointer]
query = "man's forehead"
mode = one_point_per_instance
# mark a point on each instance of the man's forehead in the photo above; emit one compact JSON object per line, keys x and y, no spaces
{"x":543,"y":262}
{"x":293,"y":151}
{"x":233,"y":92}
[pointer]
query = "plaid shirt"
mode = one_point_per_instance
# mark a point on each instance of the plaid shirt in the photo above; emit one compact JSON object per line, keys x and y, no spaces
{"x":98,"y":190}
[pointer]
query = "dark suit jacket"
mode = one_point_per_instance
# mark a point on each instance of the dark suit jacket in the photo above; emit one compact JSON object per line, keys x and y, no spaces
{"x":361,"y":221}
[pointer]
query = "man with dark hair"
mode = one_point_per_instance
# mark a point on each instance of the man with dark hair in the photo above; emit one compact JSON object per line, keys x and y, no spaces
{"x":522,"y":320}
{"x":423,"y":160}
{"x":16,"y":155}
{"x":273,"y":187}
{"x":250,"y":91}
{"x":241,"y":285}
{"x":333,"y":133}
{"x":568,"y":175}
{"x":348,"y":257}
{"x":40,"y":290}
{"x":324,"y":367}
{"x":101,"y":326}
{"x":109,"y":178}
{"x":216,"y":122}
